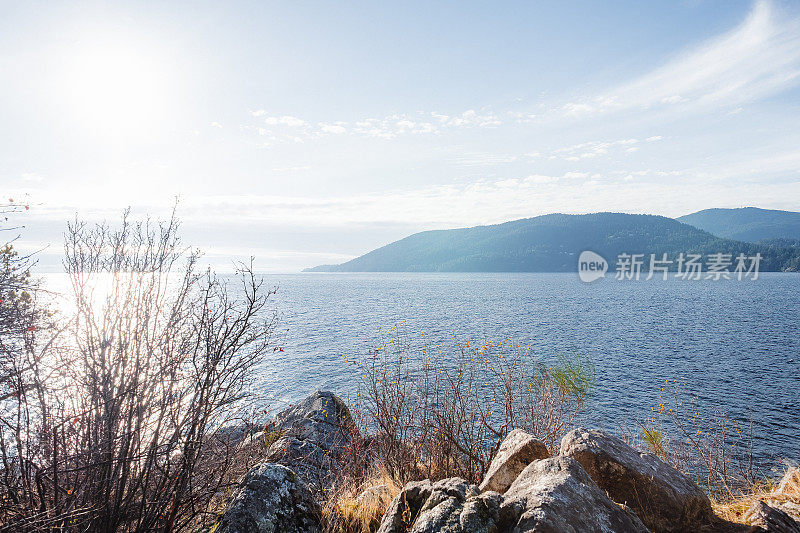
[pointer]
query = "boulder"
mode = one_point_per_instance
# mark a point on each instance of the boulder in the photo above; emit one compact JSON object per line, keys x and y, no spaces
{"x":787,"y":496}
{"x":557,"y":495}
{"x":792,"y":508}
{"x":403,"y":510}
{"x":271,"y":499}
{"x":322,"y":418}
{"x":665,"y":499}
{"x":769,"y":519}
{"x":447,"y":506}
{"x":314,"y":434}
{"x":315,"y":465}
{"x":518,"y":450}
{"x":550,"y":495}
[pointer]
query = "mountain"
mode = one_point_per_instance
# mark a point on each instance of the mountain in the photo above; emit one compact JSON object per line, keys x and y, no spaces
{"x":749,"y":224}
{"x":552,"y":243}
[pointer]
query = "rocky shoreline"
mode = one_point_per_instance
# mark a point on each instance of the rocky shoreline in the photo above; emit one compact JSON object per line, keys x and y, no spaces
{"x":595,"y":483}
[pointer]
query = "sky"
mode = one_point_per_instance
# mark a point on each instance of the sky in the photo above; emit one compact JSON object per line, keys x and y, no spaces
{"x":306,"y":133}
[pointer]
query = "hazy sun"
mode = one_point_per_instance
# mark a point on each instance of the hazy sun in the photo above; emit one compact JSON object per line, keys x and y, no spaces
{"x":113,"y":87}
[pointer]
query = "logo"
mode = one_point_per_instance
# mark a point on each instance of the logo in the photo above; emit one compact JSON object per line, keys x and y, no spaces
{"x":591,"y":266}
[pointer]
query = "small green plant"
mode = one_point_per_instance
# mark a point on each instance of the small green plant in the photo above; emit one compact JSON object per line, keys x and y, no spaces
{"x":654,"y":439}
{"x":271,"y":435}
{"x":574,"y":376}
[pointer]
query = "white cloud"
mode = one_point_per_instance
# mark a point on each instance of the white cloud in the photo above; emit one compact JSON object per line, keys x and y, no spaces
{"x":576,"y":175}
{"x":523,"y":117}
{"x":492,"y":201}
{"x":539,"y":179}
{"x":337,"y":129}
{"x":286,"y":120}
{"x":31,"y":177}
{"x":290,"y":169}
{"x":475,"y":159}
{"x":593,"y":149}
{"x":289,"y":128}
{"x":471,"y":118}
{"x":782,"y":163}
{"x":758,"y":58}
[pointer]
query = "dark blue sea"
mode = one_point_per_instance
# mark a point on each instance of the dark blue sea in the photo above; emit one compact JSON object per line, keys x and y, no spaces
{"x":732,"y":347}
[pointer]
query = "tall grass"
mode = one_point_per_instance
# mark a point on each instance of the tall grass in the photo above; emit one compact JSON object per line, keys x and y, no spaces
{"x":358,"y":506}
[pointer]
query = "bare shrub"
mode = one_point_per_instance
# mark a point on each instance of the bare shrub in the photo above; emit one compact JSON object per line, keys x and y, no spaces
{"x":119,"y":423}
{"x":443,"y":411}
{"x":714,"y":449}
{"x":431,"y":412}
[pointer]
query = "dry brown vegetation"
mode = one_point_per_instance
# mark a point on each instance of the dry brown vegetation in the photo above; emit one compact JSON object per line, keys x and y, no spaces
{"x":714,"y":449}
{"x":117,"y":416}
{"x":358,"y":507}
{"x":787,"y":491}
{"x":433,"y":412}
{"x":111,"y":415}
{"x":717,"y":452}
{"x":442,"y":411}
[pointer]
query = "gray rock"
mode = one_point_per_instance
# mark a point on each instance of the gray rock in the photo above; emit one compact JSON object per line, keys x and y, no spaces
{"x":665,"y":499}
{"x":271,"y":499}
{"x":322,"y":418}
{"x":447,"y":506}
{"x":253,"y":440}
{"x":787,"y":496}
{"x":403,"y":510}
{"x":518,"y":450}
{"x":314,"y":435}
{"x":557,"y":496}
{"x":769,"y":519}
{"x":252,"y":446}
{"x":232,"y":434}
{"x":315,"y":465}
{"x":551,"y":495}
{"x":787,"y":506}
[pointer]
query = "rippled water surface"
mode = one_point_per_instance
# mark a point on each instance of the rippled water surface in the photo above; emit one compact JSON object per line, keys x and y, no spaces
{"x":734,"y":344}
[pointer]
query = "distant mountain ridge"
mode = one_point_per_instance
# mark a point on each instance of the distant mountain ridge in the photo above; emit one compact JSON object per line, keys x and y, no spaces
{"x":750,"y":224}
{"x":552,"y":243}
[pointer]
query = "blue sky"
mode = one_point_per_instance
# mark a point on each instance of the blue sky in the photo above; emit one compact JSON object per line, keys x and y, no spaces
{"x":310,"y":132}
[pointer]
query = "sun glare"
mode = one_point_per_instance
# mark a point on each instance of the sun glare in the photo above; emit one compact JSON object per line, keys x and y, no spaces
{"x":113,"y":88}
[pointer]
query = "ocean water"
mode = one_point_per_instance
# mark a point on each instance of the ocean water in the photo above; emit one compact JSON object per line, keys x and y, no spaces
{"x":732,"y":346}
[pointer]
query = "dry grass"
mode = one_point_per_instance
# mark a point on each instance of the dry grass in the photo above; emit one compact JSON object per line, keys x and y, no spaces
{"x":787,"y":490}
{"x":712,"y":448}
{"x":358,"y":508}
